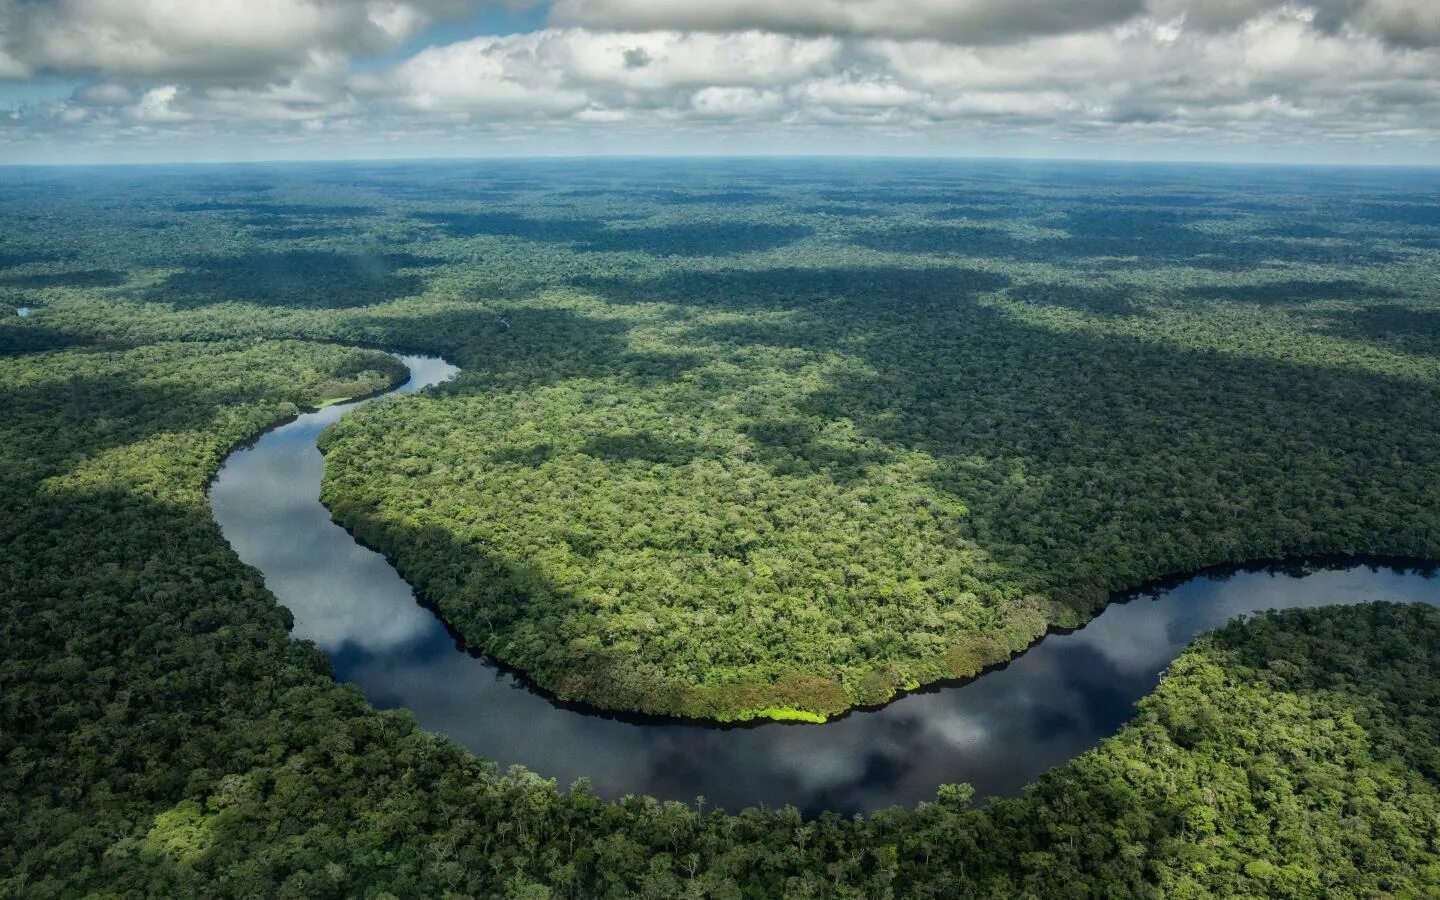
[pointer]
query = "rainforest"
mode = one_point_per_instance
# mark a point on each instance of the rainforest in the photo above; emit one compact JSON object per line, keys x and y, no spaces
{"x":730,"y":441}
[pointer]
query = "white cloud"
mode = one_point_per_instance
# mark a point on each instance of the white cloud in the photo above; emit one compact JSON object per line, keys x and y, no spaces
{"x":965,"y":21}
{"x":213,"y":39}
{"x":1212,"y":15}
{"x":665,"y":60}
{"x":970,"y":22}
{"x":485,"y":76}
{"x":1411,"y":23}
{"x":736,"y":102}
{"x":1302,"y":72}
{"x":103,"y":94}
{"x":11,"y":69}
{"x":1414,"y":23}
{"x":1279,"y":63}
{"x":575,"y":71}
{"x":158,"y":105}
{"x":602,"y":116}
{"x":858,"y":91}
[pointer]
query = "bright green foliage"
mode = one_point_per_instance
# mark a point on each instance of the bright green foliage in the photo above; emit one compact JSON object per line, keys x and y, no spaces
{"x":785,"y":714}
{"x":183,"y":833}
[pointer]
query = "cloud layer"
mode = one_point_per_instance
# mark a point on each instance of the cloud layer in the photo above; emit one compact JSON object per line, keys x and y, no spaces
{"x":815,"y":74}
{"x":213,"y":40}
{"x":963,"y":21}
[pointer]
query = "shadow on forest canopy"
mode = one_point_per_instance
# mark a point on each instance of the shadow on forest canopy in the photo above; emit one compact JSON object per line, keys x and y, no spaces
{"x":1016,"y":414}
{"x":681,"y":239}
{"x":1145,"y":238}
{"x":511,"y":347}
{"x":88,"y":278}
{"x":1417,"y":330}
{"x":279,"y":209}
{"x":300,"y":278}
{"x":1293,"y":292}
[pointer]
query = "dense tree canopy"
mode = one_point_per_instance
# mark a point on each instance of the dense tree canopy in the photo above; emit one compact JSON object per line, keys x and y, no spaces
{"x":729,"y":442}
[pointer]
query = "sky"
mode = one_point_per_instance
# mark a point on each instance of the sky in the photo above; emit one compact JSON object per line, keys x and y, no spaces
{"x":1311,"y":81}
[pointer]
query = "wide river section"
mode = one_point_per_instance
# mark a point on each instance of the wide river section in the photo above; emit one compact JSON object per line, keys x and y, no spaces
{"x":998,"y":732}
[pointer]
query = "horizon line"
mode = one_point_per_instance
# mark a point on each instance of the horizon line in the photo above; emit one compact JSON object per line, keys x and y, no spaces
{"x":717,"y":157}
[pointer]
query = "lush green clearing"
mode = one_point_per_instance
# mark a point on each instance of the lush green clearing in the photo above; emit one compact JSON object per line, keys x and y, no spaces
{"x":729,"y":440}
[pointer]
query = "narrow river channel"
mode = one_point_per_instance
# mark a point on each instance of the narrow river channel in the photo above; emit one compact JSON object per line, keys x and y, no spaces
{"x":997,"y":732}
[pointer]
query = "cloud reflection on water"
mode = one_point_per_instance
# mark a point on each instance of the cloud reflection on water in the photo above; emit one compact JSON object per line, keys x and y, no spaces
{"x":998,"y":732}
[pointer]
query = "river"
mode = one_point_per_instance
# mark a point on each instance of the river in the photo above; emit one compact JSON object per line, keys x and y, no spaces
{"x":997,"y":732}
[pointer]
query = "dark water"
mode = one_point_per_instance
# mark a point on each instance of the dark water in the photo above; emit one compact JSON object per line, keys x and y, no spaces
{"x":997,"y":732}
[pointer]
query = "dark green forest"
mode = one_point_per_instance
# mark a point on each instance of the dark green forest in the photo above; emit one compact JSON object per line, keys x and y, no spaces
{"x":732,"y":440}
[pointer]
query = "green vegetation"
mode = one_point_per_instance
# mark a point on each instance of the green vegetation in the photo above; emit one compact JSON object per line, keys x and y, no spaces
{"x":729,"y":442}
{"x":785,"y":714}
{"x":808,"y":508}
{"x":813,"y":477}
{"x":181,"y":745}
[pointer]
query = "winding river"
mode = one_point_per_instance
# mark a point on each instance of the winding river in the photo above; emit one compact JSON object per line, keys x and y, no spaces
{"x":997,"y":732}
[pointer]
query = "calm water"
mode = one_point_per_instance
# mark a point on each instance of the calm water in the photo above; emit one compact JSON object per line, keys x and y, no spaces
{"x":997,"y":732}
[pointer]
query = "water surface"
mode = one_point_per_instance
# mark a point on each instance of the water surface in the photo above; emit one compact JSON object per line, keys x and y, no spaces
{"x":997,"y":732}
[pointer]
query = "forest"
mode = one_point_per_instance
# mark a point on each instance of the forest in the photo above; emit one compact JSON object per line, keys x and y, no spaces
{"x":732,"y":439}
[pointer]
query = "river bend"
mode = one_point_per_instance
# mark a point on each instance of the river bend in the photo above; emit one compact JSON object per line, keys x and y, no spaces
{"x":997,"y":732}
